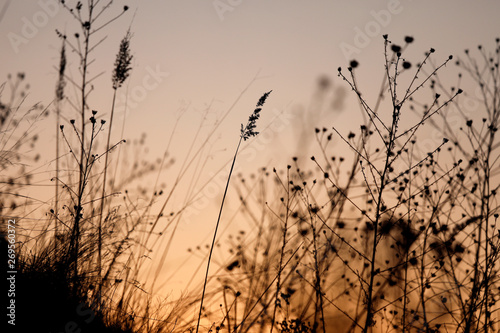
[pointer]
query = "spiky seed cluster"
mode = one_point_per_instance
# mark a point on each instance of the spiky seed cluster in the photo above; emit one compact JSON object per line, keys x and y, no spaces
{"x":262,"y":100}
{"x":122,"y":63}
{"x":248,"y":131}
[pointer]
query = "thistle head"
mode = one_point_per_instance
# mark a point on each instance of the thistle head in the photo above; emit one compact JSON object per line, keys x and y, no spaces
{"x":248,"y":131}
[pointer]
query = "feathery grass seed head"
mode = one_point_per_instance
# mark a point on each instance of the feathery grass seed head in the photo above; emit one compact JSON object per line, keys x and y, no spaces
{"x":122,"y":63}
{"x":248,"y":131}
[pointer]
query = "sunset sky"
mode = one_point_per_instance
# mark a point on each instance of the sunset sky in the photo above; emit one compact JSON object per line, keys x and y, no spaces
{"x":206,"y":52}
{"x":201,"y":55}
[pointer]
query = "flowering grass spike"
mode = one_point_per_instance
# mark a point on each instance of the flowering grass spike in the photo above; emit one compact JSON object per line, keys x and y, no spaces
{"x":122,"y":63}
{"x":248,"y":131}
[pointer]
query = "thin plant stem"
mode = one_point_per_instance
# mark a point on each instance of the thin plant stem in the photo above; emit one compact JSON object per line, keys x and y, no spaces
{"x":99,"y":240}
{"x":246,"y":133}
{"x":215,"y":234}
{"x":282,"y":253}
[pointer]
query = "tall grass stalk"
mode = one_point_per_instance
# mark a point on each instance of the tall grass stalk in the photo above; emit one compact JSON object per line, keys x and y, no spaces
{"x":59,"y":98}
{"x":246,"y":132}
{"x":120,"y":74}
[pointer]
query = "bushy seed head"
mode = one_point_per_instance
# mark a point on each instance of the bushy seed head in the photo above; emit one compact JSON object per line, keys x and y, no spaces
{"x":122,"y":63}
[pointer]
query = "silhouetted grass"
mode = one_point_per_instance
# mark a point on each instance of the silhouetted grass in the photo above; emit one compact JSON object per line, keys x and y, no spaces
{"x":395,"y":236}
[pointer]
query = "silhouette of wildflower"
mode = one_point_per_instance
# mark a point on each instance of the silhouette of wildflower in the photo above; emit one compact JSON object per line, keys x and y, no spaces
{"x":409,"y":39}
{"x":122,"y":62}
{"x":248,"y":131}
{"x":354,"y":63}
{"x":406,"y":64}
{"x":396,"y":48}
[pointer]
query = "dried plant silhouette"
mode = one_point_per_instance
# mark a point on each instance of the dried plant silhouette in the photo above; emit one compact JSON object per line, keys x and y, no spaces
{"x":247,"y":132}
{"x":391,"y":241}
{"x":391,"y":226}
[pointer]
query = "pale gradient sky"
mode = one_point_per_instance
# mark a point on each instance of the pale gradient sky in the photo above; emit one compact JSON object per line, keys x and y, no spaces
{"x":213,"y":56}
{"x":210,"y":57}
